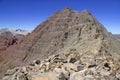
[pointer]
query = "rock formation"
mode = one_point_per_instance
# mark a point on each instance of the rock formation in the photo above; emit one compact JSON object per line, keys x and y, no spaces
{"x":69,"y":45}
{"x":6,"y":39}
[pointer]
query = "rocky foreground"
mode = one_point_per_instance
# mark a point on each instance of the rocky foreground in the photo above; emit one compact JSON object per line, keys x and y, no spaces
{"x":67,"y":66}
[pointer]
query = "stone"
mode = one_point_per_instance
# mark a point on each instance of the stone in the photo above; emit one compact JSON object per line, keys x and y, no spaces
{"x":62,"y":76}
{"x":89,"y":77}
{"x":70,"y":67}
{"x":118,"y":76}
{"x":76,"y":76}
{"x":81,"y":75}
{"x":44,"y":76}
{"x":107,"y":67}
{"x":80,"y":67}
{"x":63,"y":72}
{"x":21,"y":76}
{"x":12,"y":71}
{"x":72,"y":58}
{"x":6,"y":78}
{"x":35,"y":62}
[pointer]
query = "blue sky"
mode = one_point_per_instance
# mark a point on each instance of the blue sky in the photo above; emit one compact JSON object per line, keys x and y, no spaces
{"x":27,"y":14}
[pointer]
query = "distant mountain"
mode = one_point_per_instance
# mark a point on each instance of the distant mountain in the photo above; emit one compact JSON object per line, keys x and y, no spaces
{"x":10,"y":37}
{"x":76,"y":47}
{"x":20,"y":31}
{"x":14,"y":32}
{"x":4,"y":30}
{"x":117,"y":36}
{"x":7,"y":39}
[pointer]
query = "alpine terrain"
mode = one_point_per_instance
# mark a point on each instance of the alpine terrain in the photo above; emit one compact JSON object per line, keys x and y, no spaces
{"x":69,"y":45}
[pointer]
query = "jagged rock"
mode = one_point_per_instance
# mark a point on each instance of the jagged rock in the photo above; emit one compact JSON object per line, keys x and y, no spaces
{"x":62,"y":76}
{"x":70,"y":67}
{"x":35,"y":62}
{"x":76,"y":76}
{"x":7,"y":78}
{"x":118,"y":76}
{"x":21,"y":76}
{"x":15,"y":74}
{"x":72,"y":58}
{"x":80,"y":67}
{"x":81,"y":75}
{"x":12,"y":71}
{"x":63,"y":73}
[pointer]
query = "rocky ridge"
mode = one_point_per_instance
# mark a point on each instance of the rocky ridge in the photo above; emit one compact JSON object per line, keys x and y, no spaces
{"x":82,"y":49}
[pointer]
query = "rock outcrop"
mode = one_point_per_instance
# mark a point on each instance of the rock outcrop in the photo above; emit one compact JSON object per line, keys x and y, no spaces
{"x":81,"y":49}
{"x":10,"y":37}
{"x":6,"y":39}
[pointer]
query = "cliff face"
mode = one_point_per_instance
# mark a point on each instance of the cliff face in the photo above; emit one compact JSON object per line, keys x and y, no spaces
{"x":68,"y":30}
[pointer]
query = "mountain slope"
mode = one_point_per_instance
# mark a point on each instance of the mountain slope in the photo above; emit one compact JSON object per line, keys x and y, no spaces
{"x":65,"y":30}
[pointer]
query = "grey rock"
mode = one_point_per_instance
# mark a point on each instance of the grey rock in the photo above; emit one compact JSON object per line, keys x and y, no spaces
{"x":62,"y":76}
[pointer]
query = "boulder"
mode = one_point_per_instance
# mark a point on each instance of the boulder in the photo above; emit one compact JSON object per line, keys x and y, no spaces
{"x":44,"y":76}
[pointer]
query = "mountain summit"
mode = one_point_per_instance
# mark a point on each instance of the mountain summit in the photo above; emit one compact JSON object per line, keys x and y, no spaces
{"x":78,"y":37}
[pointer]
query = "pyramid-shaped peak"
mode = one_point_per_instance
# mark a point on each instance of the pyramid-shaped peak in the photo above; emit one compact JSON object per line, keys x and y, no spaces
{"x":67,"y":8}
{"x":86,"y":12}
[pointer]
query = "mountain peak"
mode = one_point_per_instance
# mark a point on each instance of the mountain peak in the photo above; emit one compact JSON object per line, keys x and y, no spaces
{"x":86,"y":12}
{"x":67,"y":8}
{"x":69,"y":30}
{"x":63,"y":25}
